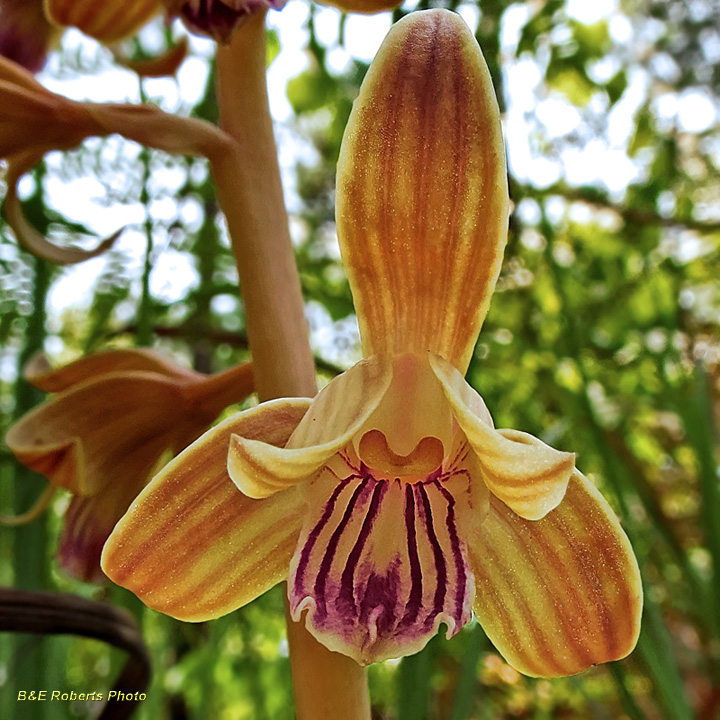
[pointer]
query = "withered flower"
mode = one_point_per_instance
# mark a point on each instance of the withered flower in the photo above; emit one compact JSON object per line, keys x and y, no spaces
{"x":34,"y":121}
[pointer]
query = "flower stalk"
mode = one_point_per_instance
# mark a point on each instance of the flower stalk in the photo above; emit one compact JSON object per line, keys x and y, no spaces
{"x":327,"y":685}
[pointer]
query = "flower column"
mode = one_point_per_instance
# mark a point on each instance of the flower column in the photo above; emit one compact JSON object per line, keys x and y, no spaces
{"x":327,"y":685}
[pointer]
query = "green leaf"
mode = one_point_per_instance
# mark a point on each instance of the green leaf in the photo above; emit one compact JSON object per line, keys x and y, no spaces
{"x":309,"y":91}
{"x":272,"y":49}
{"x":616,"y":86}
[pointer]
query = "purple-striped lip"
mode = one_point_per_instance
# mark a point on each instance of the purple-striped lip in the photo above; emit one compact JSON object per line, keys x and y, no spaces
{"x":381,"y":564}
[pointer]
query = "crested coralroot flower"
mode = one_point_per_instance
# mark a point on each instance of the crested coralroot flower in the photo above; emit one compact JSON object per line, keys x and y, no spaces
{"x":111,"y":419}
{"x":390,"y":502}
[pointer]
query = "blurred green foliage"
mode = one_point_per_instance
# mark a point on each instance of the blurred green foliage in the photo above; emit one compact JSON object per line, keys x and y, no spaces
{"x":602,"y":339}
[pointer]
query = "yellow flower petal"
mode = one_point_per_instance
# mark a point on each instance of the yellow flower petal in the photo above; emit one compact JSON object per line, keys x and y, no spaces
{"x":527,"y":475}
{"x":105,"y":20}
{"x":422,"y":199}
{"x":191,"y":545}
{"x":336,"y":414}
{"x":560,"y":594}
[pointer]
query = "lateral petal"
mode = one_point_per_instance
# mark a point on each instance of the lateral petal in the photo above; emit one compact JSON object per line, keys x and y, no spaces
{"x":559,"y":594}
{"x":422,"y":197}
{"x":527,"y":475}
{"x":334,"y":417}
{"x":191,"y":545}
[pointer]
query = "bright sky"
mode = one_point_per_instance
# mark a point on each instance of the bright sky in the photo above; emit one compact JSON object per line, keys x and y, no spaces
{"x":600,"y":160}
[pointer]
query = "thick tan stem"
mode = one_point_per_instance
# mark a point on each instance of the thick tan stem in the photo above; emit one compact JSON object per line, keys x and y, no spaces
{"x":251,"y":196}
{"x":328,"y":686}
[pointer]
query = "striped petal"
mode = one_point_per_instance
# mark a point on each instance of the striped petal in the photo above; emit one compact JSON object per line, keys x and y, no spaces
{"x":527,"y":475}
{"x":380,"y":565}
{"x":107,"y":20}
{"x":335,"y":416}
{"x":560,"y":594}
{"x":422,"y":199}
{"x":191,"y":545}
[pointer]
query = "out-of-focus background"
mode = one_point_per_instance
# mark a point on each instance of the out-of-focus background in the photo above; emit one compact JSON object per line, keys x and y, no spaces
{"x":602,"y":337}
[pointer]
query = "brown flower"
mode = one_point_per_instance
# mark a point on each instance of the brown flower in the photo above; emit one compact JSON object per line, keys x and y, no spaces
{"x":112,"y":418}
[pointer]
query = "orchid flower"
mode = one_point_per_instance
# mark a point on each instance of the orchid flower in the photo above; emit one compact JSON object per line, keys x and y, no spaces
{"x":34,"y":121}
{"x":112,"y":417}
{"x":390,"y":503}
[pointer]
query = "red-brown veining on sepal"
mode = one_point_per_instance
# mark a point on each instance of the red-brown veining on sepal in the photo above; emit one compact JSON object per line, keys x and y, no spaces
{"x":559,"y":594}
{"x":193,"y":546}
{"x":422,"y":200}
